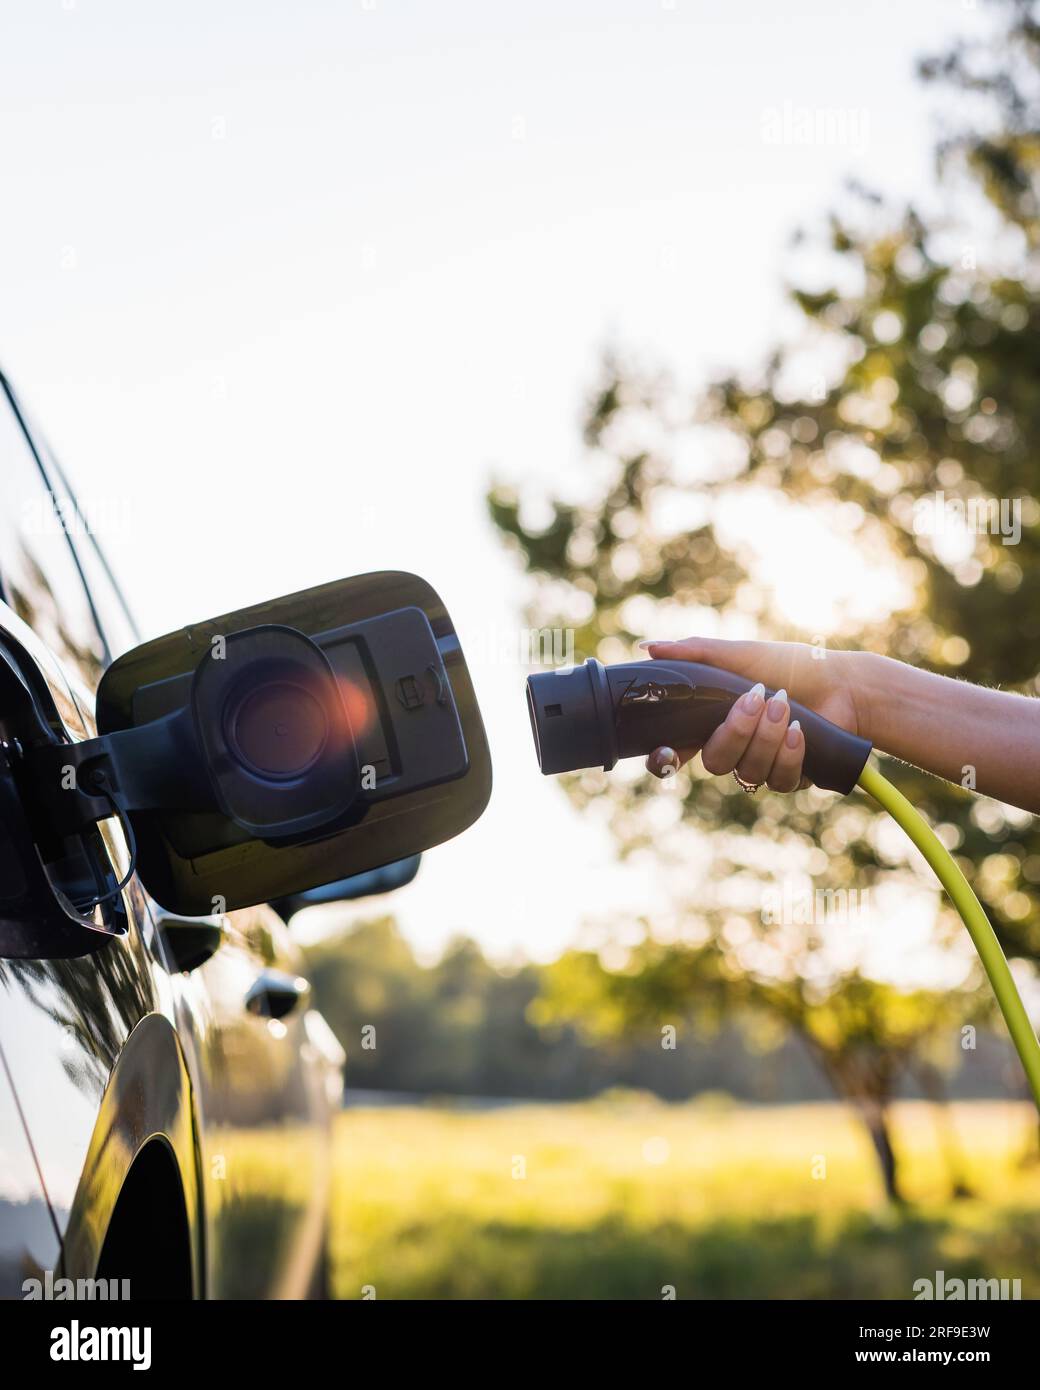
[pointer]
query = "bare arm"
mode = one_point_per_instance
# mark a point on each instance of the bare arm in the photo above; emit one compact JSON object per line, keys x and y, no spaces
{"x":985,"y":739}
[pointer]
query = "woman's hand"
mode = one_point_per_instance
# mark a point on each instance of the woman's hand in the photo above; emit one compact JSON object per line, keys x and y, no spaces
{"x":757,"y":739}
{"x":986,"y":740}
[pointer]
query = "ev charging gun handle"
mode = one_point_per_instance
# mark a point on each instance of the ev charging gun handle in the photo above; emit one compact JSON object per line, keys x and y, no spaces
{"x":593,"y":715}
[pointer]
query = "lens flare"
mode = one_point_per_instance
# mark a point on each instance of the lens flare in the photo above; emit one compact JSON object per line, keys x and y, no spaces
{"x":359,"y":704}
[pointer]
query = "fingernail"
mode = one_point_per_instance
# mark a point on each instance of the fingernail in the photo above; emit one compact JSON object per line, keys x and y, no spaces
{"x":752,"y":701}
{"x":778,"y":705}
{"x":793,"y":734}
{"x":663,"y":762}
{"x":653,"y":642}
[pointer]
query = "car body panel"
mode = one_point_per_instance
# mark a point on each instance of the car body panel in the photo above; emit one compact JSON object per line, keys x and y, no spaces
{"x":63,"y":1027}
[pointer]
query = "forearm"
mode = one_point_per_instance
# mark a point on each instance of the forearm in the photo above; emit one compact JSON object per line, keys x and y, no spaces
{"x":988,"y":740}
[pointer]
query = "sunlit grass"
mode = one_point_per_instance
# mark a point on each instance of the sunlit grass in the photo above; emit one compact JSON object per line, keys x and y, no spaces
{"x":621,"y":1199}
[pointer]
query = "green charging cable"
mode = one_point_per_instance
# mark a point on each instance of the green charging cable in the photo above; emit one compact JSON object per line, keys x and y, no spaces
{"x":972,"y":915}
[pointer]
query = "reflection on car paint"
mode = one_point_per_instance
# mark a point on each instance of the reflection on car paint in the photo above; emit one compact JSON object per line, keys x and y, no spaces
{"x":28,"y":1236}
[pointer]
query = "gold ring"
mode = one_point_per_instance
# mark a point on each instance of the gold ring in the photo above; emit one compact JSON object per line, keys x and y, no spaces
{"x":749,"y":787}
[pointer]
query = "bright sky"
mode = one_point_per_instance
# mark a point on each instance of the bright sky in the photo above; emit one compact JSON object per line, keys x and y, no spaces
{"x":286,"y":283}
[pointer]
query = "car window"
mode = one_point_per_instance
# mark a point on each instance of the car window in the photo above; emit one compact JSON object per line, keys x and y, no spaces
{"x":119,"y":628}
{"x":110,"y":607}
{"x":39,"y":576}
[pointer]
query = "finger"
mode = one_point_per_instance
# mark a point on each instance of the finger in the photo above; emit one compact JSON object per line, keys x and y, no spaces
{"x":765,"y":743}
{"x":728,"y":743}
{"x":665,"y":762}
{"x":775,"y":663}
{"x":714,"y":651}
{"x":786,"y":772}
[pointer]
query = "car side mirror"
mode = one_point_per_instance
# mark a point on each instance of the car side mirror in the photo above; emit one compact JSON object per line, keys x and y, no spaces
{"x":278,"y":748}
{"x":386,"y":879}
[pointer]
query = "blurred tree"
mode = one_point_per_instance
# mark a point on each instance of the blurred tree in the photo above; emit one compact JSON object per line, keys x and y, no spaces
{"x":908,"y":398}
{"x":864,"y":1035}
{"x":460,"y":1026}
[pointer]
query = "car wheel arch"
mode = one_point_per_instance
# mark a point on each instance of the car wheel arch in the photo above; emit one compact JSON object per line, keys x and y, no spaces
{"x":146,"y":1110}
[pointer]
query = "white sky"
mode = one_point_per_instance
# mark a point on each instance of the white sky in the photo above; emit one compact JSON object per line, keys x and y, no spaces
{"x":286,"y":283}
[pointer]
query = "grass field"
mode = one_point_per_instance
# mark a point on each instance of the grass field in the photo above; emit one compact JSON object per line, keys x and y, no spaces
{"x":623,"y":1198}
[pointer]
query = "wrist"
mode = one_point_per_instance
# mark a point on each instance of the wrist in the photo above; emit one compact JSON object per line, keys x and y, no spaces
{"x":868,"y":678}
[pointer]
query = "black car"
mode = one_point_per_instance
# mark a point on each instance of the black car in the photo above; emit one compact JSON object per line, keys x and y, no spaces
{"x":166,"y":1085}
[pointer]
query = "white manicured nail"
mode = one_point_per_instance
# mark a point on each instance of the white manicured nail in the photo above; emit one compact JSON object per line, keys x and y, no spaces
{"x":777,"y":705}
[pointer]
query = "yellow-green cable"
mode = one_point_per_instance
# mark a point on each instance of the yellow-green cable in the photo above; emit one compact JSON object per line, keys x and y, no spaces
{"x":972,"y":915}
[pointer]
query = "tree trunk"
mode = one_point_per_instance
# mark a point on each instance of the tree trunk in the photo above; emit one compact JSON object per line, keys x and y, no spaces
{"x":875,"y":1117}
{"x":871,"y":1108}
